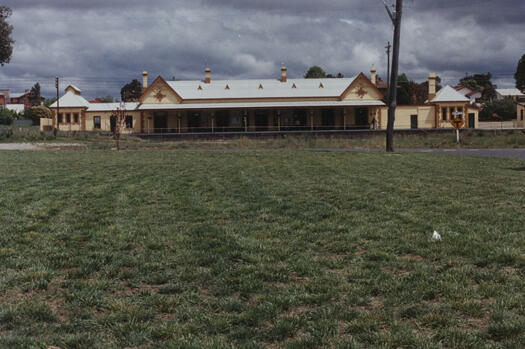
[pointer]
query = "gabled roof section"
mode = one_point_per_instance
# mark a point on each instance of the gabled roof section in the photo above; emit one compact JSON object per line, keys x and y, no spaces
{"x":449,"y":94}
{"x":251,"y":89}
{"x":158,"y":85}
{"x":74,"y":89}
{"x":366,"y":84}
{"x":71,"y":100}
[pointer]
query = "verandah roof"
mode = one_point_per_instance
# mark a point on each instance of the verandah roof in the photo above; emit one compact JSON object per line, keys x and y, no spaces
{"x":263,"y":105}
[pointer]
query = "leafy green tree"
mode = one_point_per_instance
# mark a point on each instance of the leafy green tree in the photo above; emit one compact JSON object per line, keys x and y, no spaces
{"x":6,"y":43}
{"x":403,"y":89}
{"x":6,"y":116}
{"x":105,"y":99}
{"x":470,"y":83}
{"x":35,"y":98}
{"x":504,"y":109}
{"x":484,"y":84}
{"x":50,"y":101}
{"x":520,"y":75}
{"x":315,"y":72}
{"x":131,"y":92}
{"x":36,"y":113}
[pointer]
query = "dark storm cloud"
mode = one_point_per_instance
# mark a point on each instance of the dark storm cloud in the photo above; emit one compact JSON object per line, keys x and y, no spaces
{"x":100,"y":45}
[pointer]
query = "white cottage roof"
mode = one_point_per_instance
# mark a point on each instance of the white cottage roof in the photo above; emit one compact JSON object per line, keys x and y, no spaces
{"x":130,"y":106}
{"x":512,"y":92}
{"x":264,"y":88}
{"x":19,"y":108}
{"x":71,"y":100}
{"x":449,"y":94}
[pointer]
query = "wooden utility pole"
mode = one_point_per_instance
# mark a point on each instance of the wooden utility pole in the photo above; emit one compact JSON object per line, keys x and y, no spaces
{"x":58,"y":102}
{"x":392,"y":95}
{"x":388,"y":47}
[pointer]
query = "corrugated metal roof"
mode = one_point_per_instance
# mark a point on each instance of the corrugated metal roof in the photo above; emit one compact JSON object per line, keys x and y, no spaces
{"x":111,"y":106}
{"x":17,"y":95}
{"x":449,"y":94}
{"x":71,"y":100}
{"x":264,"y":88}
{"x":512,"y":92}
{"x":19,"y":108}
{"x":262,"y":105}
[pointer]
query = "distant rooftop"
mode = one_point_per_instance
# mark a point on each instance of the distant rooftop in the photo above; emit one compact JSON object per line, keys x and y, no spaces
{"x":449,"y":94}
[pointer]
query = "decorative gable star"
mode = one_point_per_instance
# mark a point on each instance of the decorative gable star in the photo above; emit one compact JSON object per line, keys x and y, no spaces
{"x":361,"y":92}
{"x":159,"y":95}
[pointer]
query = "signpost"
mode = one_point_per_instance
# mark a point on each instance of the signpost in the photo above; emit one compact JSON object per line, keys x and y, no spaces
{"x":458,"y":123}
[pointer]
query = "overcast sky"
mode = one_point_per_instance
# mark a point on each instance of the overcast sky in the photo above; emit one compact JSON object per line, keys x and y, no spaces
{"x":99,"y":45}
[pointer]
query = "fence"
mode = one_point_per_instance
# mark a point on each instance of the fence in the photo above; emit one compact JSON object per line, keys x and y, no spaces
{"x":22,"y":123}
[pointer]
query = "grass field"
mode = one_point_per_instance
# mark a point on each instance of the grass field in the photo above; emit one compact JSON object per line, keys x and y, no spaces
{"x":293,"y":249}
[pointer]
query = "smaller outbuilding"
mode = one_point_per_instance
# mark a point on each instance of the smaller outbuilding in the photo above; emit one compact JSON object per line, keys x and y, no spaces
{"x":520,"y":119}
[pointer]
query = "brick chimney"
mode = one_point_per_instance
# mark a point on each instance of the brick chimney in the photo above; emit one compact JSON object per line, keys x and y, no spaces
{"x":207,"y":80}
{"x":431,"y":86}
{"x":144,"y":81}
{"x":283,"y":74}
{"x":373,"y":75}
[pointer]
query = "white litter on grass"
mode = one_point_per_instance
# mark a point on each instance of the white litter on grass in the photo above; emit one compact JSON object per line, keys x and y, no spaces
{"x":436,"y":236}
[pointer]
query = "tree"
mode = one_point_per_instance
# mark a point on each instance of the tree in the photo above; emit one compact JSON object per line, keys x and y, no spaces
{"x":105,"y":99}
{"x":488,"y":92}
{"x":520,"y":75}
{"x":50,"y":101}
{"x":403,"y":89}
{"x":131,"y":92}
{"x":470,"y":83}
{"x":119,"y":116}
{"x":36,"y":113}
{"x":35,"y":98}
{"x":6,"y":116}
{"x":500,"y":110}
{"x":315,"y":72}
{"x":338,"y":76}
{"x":6,"y":43}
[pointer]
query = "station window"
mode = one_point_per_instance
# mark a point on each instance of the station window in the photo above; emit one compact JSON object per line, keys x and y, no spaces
{"x":96,"y":122}
{"x":75,"y":118}
{"x":60,"y":118}
{"x":444,"y":111}
{"x":522,"y":115}
{"x":68,"y":118}
{"x":129,"y":121}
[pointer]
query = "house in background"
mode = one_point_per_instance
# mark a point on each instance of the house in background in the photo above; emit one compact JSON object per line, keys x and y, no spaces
{"x":77,"y":114}
{"x":438,"y":111}
{"x":260,"y":105}
{"x":520,"y":119}
{"x":17,"y":102}
{"x":472,"y":95}
{"x":514,"y":93}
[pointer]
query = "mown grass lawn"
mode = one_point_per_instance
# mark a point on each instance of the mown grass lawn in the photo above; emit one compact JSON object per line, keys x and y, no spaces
{"x":290,"y":249}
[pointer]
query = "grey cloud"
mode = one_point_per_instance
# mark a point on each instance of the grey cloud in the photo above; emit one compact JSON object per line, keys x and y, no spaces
{"x":101,"y":45}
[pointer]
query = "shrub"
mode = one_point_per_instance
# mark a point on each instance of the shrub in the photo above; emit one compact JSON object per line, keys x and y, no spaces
{"x":505,"y":109}
{"x":6,"y":116}
{"x":35,"y":113}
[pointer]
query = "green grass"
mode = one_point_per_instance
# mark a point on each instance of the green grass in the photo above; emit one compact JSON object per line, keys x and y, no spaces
{"x":290,"y":249}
